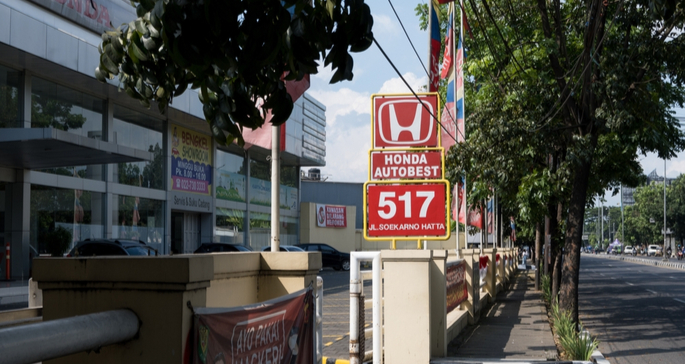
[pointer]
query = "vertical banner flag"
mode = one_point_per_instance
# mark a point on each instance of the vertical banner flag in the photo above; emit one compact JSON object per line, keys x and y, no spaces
{"x":280,"y":331}
{"x":459,"y":65}
{"x":449,"y":112}
{"x":434,"y":45}
{"x":191,"y":161}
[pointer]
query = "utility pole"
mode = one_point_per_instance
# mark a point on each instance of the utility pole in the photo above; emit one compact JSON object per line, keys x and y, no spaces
{"x":664,"y":252}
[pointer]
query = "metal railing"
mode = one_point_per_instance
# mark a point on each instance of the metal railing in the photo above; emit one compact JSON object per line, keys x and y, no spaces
{"x":356,"y":287}
{"x":56,"y":338}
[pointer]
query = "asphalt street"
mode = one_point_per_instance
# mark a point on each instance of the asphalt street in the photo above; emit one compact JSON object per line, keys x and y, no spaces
{"x":637,"y":311}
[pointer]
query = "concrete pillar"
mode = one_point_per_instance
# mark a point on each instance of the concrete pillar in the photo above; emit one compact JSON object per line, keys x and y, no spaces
{"x":159,"y":291}
{"x":18,"y":234}
{"x":414,"y":301}
{"x":472,"y":304}
{"x":491,"y":276}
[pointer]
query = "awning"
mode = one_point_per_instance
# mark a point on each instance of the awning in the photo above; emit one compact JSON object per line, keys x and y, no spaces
{"x":39,"y":148}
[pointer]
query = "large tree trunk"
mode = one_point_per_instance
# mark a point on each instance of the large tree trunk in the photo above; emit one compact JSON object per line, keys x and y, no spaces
{"x":568,"y":298}
{"x":538,"y":244}
{"x":555,"y":246}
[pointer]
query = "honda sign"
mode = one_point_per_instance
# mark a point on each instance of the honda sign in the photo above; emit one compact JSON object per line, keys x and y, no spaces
{"x":407,"y":210}
{"x":405,"y":121}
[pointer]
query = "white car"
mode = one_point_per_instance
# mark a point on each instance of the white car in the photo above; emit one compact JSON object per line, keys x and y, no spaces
{"x":628,"y":249}
{"x":653,"y":250}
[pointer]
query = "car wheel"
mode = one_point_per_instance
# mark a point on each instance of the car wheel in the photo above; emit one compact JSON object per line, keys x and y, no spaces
{"x":345,"y":265}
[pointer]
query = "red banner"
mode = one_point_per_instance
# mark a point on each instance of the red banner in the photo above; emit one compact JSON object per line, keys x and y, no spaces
{"x":456,"y":285}
{"x":279,"y":331}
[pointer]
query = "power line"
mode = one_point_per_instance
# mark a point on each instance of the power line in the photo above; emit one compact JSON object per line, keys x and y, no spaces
{"x":425,"y":70}
{"x":412,"y":91}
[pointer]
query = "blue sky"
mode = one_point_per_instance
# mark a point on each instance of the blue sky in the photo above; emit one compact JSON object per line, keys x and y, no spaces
{"x":348,"y":104}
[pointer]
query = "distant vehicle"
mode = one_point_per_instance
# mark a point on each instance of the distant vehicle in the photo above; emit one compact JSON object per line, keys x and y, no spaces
{"x":628,"y":249}
{"x":330,"y":257}
{"x":220,"y":247}
{"x":111,"y":247}
{"x":284,"y":248}
{"x":653,"y":250}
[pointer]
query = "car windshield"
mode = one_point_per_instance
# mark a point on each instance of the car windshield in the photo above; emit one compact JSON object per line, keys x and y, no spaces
{"x":138,"y":250}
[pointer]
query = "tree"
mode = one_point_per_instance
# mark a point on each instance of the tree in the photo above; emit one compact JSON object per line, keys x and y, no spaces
{"x":239,"y":53}
{"x":565,"y":95}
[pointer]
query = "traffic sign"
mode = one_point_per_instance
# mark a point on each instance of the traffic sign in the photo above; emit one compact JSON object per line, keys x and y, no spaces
{"x":407,"y":211}
{"x":404,"y":121}
{"x":410,"y":164}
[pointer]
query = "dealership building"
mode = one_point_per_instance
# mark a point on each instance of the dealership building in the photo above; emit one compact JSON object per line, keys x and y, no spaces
{"x":81,"y":156}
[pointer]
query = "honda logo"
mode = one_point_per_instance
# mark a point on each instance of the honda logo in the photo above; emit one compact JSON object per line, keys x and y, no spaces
{"x":404,"y":121}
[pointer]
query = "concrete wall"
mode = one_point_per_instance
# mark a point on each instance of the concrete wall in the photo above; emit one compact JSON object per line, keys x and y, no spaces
{"x":342,"y":239}
{"x":161,"y":292}
{"x":336,"y":193}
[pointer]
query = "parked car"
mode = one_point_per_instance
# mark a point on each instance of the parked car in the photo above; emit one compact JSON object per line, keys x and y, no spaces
{"x":628,"y":249}
{"x":105,"y":247}
{"x":284,"y":248}
{"x":653,"y":250}
{"x":330,"y":257}
{"x":221,"y":247}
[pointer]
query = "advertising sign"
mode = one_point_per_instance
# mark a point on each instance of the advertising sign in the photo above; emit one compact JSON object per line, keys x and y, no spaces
{"x":96,"y":15}
{"x":260,"y":194}
{"x":406,"y":165}
{"x":191,"y":161}
{"x":279,"y":331}
{"x":331,"y":216}
{"x":406,"y":210}
{"x":456,"y":284}
{"x":231,"y":186}
{"x":404,"y":121}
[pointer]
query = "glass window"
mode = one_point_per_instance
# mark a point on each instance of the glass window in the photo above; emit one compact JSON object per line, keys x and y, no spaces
{"x":136,"y":130}
{"x":260,"y":230}
{"x":230,"y":177}
{"x":260,"y":185}
{"x":229,"y":226}
{"x":79,"y":212}
{"x":59,"y":107}
{"x":9,"y":98}
{"x":138,"y":218}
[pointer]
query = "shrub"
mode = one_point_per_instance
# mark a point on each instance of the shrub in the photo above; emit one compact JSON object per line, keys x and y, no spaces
{"x":576,"y":346}
{"x":57,"y":241}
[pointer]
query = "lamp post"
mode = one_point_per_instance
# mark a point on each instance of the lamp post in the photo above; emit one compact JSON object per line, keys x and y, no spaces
{"x":665,"y":254}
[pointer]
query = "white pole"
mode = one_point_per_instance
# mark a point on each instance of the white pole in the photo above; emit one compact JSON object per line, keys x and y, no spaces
{"x":355,"y":292}
{"x":275,"y":187}
{"x":664,"y":252}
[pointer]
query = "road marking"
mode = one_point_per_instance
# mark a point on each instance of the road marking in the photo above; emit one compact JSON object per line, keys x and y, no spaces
{"x":672,"y":277}
{"x":649,"y":290}
{"x":629,"y":283}
{"x":602,"y":274}
{"x":681,"y":301}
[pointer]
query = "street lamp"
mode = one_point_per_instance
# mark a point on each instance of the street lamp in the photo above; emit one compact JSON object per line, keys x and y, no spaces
{"x":665,"y":254}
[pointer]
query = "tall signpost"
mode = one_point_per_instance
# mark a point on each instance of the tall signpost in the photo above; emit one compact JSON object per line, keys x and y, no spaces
{"x":406,"y":196}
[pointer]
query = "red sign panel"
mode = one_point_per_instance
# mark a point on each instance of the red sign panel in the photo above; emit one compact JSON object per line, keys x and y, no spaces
{"x":397,"y":165}
{"x":406,"y":210}
{"x":403,"y":121}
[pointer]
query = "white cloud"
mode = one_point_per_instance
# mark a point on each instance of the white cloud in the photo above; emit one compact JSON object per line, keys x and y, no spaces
{"x":396,"y":85}
{"x":342,"y":102}
{"x":347,"y":153}
{"x":383,"y":24}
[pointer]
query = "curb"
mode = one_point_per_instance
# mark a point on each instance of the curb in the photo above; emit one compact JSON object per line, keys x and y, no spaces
{"x":327,"y":360}
{"x":599,"y":358}
{"x":657,"y":263}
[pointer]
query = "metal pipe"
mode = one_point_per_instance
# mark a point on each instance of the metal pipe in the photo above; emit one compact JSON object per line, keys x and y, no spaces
{"x":355,"y":292}
{"x":275,"y":188}
{"x":56,"y":338}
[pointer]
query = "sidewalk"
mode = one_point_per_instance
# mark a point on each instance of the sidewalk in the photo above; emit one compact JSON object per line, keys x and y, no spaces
{"x":513,"y":327}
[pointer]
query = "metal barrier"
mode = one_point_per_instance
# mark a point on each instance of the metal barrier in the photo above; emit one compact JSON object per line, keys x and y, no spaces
{"x":318,"y":338}
{"x":356,"y":287}
{"x":56,"y":338}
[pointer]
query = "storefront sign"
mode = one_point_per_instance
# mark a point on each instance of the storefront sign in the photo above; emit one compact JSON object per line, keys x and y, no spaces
{"x":456,"y":284}
{"x":279,"y":331}
{"x":96,"y":15}
{"x":331,"y":216}
{"x":405,"y":165}
{"x":190,"y":202}
{"x":405,"y":121}
{"x":191,"y":161}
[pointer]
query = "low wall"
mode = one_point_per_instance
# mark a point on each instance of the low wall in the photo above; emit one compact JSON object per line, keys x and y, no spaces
{"x":161,"y":291}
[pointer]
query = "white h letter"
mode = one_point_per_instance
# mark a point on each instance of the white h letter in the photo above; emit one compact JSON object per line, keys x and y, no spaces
{"x":414,"y":128}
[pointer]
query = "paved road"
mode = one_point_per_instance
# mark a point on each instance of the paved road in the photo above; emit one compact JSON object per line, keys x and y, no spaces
{"x":336,"y":313}
{"x":638,"y":311}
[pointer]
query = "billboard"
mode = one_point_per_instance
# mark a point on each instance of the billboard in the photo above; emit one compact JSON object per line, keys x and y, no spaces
{"x":405,"y":121}
{"x":191,"y":161}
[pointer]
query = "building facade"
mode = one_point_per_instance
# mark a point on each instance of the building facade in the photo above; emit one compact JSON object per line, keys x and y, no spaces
{"x":79,"y":155}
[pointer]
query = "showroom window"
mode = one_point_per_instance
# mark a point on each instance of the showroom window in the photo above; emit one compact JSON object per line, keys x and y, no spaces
{"x":55,"y":211}
{"x":138,"y":218}
{"x":229,"y":226}
{"x":230,"y":177}
{"x":138,"y":131}
{"x":9,"y":98}
{"x":260,"y":185}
